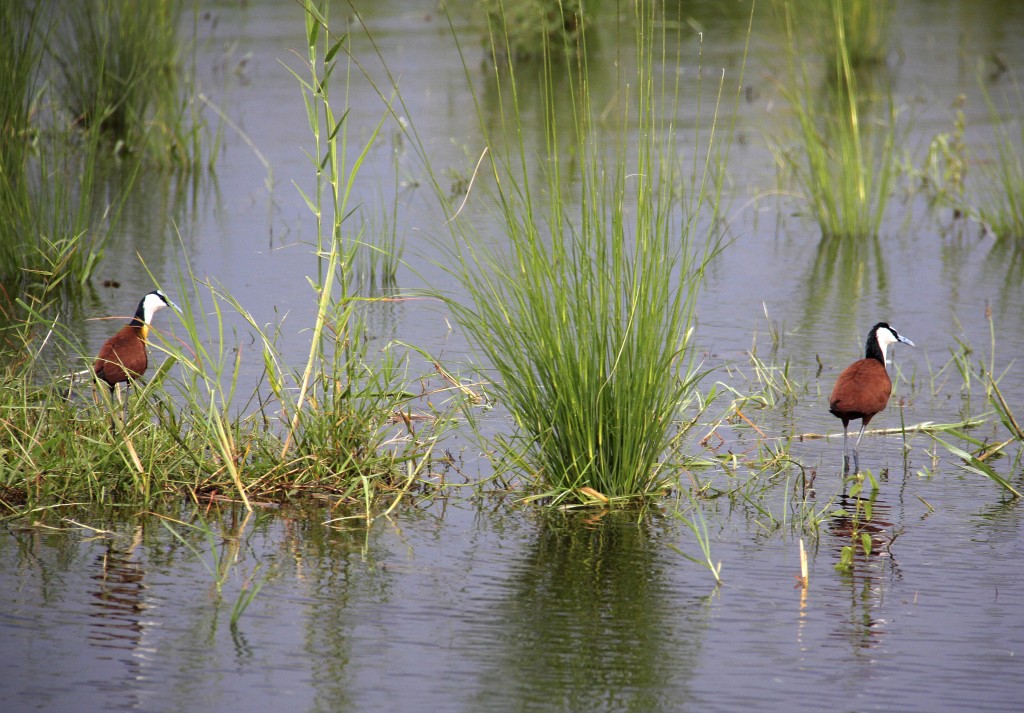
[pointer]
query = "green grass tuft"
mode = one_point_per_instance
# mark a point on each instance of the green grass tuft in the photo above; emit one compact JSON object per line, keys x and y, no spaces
{"x":846,"y":158}
{"x":120,"y":72}
{"x":1001,"y":199}
{"x":584,"y":311}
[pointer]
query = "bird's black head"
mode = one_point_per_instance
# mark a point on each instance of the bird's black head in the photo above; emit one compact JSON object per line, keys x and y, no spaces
{"x":150,"y":305}
{"x":880,"y":338}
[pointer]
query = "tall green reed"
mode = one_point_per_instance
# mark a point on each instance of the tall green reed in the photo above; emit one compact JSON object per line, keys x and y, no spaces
{"x":846,"y":159}
{"x":1001,"y":197}
{"x":43,"y":219}
{"x":337,"y":239}
{"x":585,"y":321}
{"x":337,"y":425}
{"x":526,"y":30}
{"x":120,"y":69}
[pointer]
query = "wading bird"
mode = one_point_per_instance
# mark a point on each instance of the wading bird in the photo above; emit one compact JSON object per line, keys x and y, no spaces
{"x":863,"y":388}
{"x":123,"y":357}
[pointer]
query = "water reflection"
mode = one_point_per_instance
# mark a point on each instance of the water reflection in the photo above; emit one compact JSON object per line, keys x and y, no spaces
{"x":118,"y":601}
{"x":158,"y":206}
{"x":844,"y":275}
{"x":115,"y":617}
{"x":1000,"y":519}
{"x":1004,"y":270}
{"x":586,"y":622}
{"x":339,"y":571}
{"x":871,"y":574}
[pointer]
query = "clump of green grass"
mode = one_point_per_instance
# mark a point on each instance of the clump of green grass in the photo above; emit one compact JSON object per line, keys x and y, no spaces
{"x":585,"y":322}
{"x":120,"y":72}
{"x":337,"y":426}
{"x":50,"y":231}
{"x":846,"y":158}
{"x":50,"y":235}
{"x":524,"y":30}
{"x":190,"y":428}
{"x":944,"y":173}
{"x":979,"y":455}
{"x":1001,"y":199}
{"x":20,"y":56}
{"x":43,"y":221}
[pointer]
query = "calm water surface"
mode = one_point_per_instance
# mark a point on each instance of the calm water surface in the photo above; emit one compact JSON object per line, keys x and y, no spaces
{"x":471,"y":605}
{"x":465,"y":609}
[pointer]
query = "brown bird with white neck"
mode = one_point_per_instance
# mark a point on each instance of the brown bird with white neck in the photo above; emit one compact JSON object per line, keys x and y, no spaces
{"x":863,"y":388}
{"x":123,"y":357}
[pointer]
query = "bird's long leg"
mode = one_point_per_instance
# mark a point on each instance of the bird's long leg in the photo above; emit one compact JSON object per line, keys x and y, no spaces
{"x":856,"y":446}
{"x":127,"y":392}
{"x":113,"y":411}
{"x":846,"y":455}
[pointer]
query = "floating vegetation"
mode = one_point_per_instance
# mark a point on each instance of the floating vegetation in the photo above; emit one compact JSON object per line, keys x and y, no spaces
{"x":976,"y":455}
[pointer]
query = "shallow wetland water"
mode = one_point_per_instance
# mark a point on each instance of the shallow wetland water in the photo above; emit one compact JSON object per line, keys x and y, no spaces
{"x":472,"y":602}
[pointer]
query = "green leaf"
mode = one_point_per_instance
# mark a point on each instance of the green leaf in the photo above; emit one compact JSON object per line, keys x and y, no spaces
{"x":335,"y":47}
{"x":865,"y":543}
{"x":845,"y":563}
{"x":975,"y":465}
{"x":309,"y":201}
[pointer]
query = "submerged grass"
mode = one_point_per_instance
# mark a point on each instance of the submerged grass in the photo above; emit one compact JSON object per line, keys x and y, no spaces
{"x":584,"y":314}
{"x":698,"y":527}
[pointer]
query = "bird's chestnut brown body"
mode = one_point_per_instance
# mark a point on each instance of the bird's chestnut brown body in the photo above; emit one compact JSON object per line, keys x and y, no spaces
{"x":123,"y":357}
{"x":863,"y":388}
{"x":861,"y":391}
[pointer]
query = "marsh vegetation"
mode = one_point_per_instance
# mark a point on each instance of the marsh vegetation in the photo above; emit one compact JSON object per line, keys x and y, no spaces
{"x":571,"y":262}
{"x":506,"y":339}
